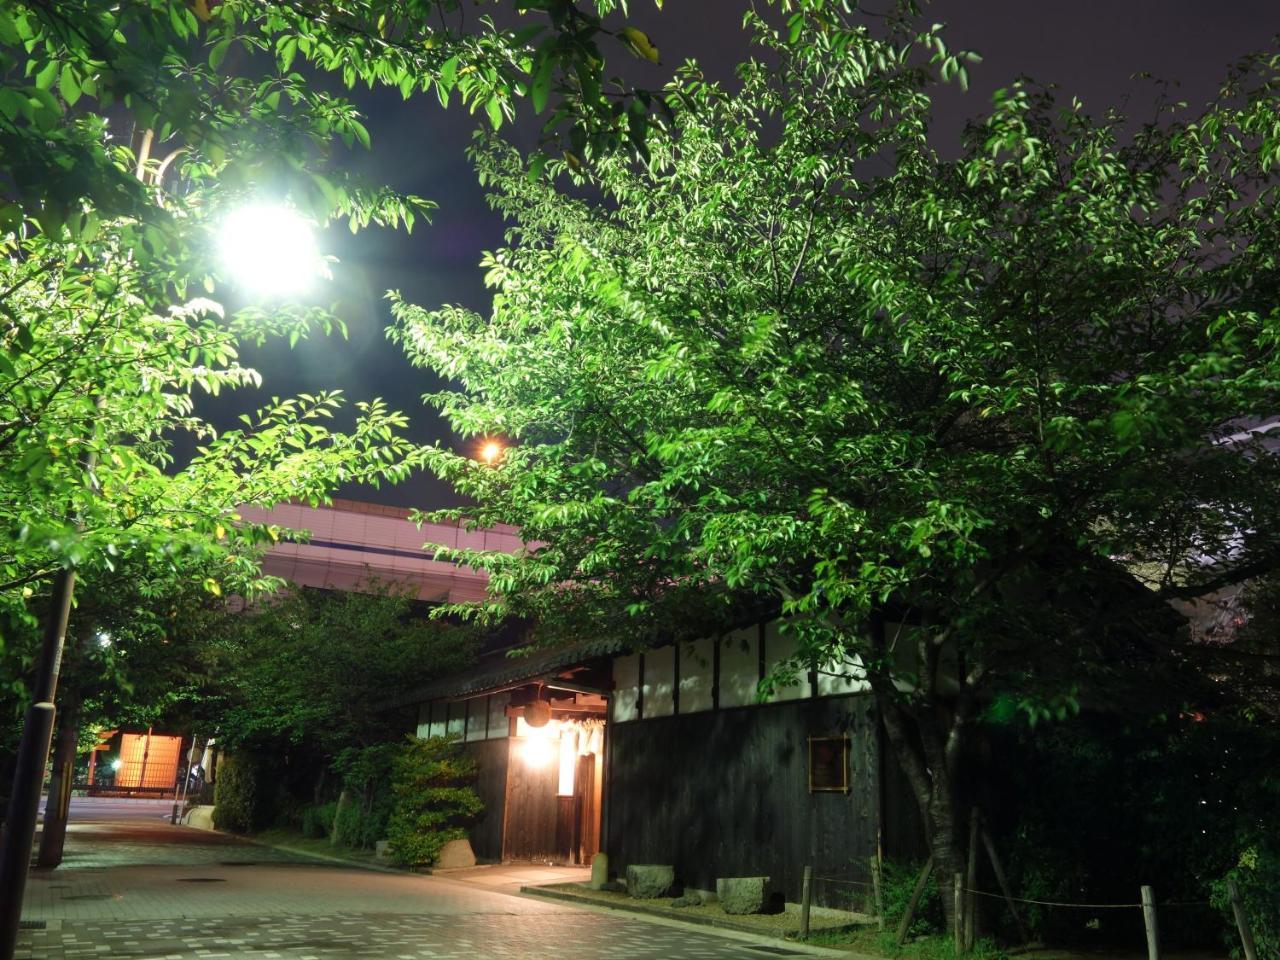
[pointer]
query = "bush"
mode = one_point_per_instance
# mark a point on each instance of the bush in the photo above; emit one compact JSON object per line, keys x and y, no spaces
{"x":317,"y":820}
{"x":366,"y":774}
{"x":235,"y":798}
{"x":897,"y":883}
{"x":433,"y":801}
{"x":1257,"y":875}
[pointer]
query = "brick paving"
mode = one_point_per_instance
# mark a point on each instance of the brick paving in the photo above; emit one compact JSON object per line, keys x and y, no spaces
{"x":149,"y":890}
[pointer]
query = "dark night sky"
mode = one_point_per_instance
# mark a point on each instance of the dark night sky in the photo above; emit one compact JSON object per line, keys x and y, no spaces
{"x":1090,"y":49}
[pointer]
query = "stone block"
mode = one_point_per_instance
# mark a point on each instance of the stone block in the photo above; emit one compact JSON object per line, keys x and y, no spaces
{"x":749,"y":895}
{"x":648,"y":881}
{"x":200,"y":817}
{"x":456,"y":854}
{"x":599,"y":871}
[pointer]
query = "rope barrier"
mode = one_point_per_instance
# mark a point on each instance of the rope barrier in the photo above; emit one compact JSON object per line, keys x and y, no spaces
{"x":1041,"y":903}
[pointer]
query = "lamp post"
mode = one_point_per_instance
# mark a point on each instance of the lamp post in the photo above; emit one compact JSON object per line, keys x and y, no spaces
{"x":270,"y":251}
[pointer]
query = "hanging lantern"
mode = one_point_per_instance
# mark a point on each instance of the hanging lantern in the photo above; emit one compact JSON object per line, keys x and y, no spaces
{"x":537,"y":713}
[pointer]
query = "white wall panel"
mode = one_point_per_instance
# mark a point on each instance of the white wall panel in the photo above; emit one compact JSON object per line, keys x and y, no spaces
{"x":739,"y":667}
{"x":499,"y":723}
{"x":457,"y":716}
{"x":697,"y":671}
{"x":477,"y":718}
{"x":778,"y":647}
{"x":626,"y":688}
{"x":841,"y":676}
{"x":659,"y":682}
{"x":439,"y":708}
{"x":424,"y":721}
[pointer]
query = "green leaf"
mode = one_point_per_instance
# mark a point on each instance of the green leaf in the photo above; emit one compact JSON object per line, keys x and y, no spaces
{"x":449,"y":73}
{"x":540,"y":88}
{"x":219,"y":52}
{"x":68,"y":85}
{"x":47,"y":75}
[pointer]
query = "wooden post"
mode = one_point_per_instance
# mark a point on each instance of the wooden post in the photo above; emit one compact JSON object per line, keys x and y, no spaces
{"x":876,"y":893}
{"x":971,"y":901}
{"x":914,"y":902}
{"x":957,"y":925}
{"x":1149,"y":918}
{"x":1004,"y":886}
{"x":806,"y":895}
{"x":1242,"y":921}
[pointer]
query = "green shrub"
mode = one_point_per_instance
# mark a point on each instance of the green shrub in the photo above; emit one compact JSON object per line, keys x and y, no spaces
{"x":1257,"y":875}
{"x":236,"y":795}
{"x":366,"y":774}
{"x":897,"y":883}
{"x":317,"y":820}
{"x":433,"y":801}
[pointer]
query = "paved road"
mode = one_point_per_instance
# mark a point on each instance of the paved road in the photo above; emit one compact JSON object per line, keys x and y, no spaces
{"x":116,"y":809}
{"x":137,"y":888}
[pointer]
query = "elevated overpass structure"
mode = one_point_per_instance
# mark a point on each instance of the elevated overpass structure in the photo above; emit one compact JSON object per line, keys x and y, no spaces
{"x":350,"y":542}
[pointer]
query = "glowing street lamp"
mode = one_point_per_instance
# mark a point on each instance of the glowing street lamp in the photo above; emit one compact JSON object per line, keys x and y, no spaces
{"x":270,"y":251}
{"x":492,"y":452}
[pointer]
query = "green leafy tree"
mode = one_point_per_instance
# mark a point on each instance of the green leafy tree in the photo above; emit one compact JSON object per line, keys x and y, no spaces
{"x":801,"y":358}
{"x":318,"y":671}
{"x":107,"y":354}
{"x":315,"y":686}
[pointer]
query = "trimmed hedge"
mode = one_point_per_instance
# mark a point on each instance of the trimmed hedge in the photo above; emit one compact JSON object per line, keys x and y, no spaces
{"x":433,"y":800}
{"x":236,"y":795}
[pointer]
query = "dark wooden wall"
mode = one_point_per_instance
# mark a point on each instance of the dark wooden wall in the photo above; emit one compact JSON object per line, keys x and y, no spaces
{"x":491,"y":785}
{"x":726,"y":793}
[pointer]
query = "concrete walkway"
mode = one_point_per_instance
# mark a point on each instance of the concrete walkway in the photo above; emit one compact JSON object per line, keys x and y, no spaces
{"x":137,"y":887}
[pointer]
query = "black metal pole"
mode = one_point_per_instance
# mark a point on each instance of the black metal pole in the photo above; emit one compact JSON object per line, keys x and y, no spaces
{"x":28,"y":774}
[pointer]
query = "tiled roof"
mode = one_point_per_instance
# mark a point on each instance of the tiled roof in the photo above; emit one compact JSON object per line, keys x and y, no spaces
{"x":499,"y":670}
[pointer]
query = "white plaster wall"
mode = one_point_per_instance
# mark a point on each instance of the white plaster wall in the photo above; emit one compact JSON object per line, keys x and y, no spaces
{"x":659,"y":682}
{"x":626,"y":688}
{"x":697,"y":672}
{"x":739,"y":667}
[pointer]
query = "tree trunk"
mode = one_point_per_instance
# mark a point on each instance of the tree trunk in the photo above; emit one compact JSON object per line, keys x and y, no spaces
{"x":54,"y":835}
{"x":930,"y":758}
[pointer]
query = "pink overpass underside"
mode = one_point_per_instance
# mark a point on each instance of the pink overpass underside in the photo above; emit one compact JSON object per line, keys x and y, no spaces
{"x":350,"y":542}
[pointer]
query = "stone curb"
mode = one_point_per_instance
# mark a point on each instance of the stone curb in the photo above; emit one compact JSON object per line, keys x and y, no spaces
{"x":567,"y":896}
{"x":325,"y":858}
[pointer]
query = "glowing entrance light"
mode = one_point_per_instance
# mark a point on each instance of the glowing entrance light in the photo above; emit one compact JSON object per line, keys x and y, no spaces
{"x":539,"y":751}
{"x":270,"y":251}
{"x":568,"y":761}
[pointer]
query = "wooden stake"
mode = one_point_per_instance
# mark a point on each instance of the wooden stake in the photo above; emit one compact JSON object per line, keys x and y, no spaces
{"x":1001,"y":879}
{"x":1242,"y":921}
{"x":806,"y":893}
{"x":971,"y":901}
{"x":877,"y":894}
{"x":957,"y":925}
{"x":1149,"y":919}
{"x":914,"y":902}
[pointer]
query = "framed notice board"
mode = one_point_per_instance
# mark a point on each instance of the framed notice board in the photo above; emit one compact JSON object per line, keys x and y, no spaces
{"x":828,"y":764}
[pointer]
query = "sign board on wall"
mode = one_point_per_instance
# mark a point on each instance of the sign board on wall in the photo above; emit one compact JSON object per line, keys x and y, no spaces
{"x":828,"y":764}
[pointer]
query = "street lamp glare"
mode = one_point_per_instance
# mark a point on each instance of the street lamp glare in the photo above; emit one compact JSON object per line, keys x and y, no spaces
{"x":491,"y":451}
{"x":269,"y":250}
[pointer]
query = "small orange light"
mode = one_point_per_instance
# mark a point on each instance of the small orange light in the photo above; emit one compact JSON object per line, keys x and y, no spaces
{"x":491,"y":451}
